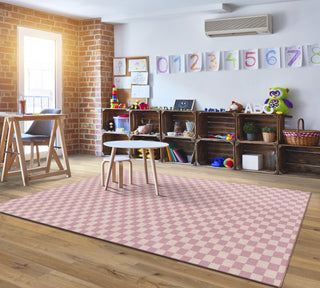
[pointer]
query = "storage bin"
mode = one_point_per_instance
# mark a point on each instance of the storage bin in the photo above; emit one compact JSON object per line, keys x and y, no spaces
{"x":252,"y":161}
{"x":121,"y":123}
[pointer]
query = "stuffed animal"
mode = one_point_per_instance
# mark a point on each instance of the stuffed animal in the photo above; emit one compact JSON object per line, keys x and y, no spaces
{"x":236,"y":107}
{"x":278,"y":100}
{"x":109,"y":126}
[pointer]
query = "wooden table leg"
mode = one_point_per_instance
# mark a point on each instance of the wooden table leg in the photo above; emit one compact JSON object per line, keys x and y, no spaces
{"x":154,"y":171}
{"x":22,"y":159}
{"x":64,"y":148}
{"x":113,"y":154}
{"x":145,"y":164}
{"x":4,"y":136}
{"x":120,"y":174}
{"x":7,"y":154}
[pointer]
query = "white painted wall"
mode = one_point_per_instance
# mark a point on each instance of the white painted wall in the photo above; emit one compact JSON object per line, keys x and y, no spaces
{"x":294,"y":23}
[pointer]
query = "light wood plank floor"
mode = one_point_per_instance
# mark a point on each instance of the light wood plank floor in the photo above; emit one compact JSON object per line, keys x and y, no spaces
{"x":37,"y":256}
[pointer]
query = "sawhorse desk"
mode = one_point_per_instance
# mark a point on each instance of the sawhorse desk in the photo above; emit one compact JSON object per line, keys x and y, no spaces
{"x":11,"y":148}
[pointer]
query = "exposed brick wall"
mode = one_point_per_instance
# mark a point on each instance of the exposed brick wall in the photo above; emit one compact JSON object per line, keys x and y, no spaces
{"x":83,"y":78}
{"x":96,"y":42}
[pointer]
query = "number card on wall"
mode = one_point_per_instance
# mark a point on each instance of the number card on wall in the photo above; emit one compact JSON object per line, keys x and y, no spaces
{"x":293,"y":56}
{"x":177,"y":64}
{"x":250,"y":60}
{"x":270,"y":58}
{"x":194,"y":62}
{"x":231,"y":60}
{"x":162,"y":65}
{"x":212,"y":60}
{"x":314,"y":55}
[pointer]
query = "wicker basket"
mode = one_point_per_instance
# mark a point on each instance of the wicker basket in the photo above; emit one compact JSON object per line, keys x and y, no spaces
{"x":301,"y":137}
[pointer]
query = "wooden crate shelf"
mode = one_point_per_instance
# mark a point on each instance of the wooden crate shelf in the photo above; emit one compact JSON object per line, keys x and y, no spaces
{"x":206,"y":150}
{"x":299,"y":159}
{"x":187,"y":145}
{"x":168,"y":118}
{"x":274,"y":120}
{"x":215,"y":123}
{"x":114,"y":137}
{"x":143,"y":117}
{"x":277,"y":157}
{"x":134,"y":153}
{"x":269,"y":152}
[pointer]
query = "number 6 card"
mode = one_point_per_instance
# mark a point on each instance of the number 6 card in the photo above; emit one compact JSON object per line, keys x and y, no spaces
{"x":270,"y":58}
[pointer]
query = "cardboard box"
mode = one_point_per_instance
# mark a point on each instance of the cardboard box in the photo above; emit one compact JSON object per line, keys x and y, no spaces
{"x":252,"y":161}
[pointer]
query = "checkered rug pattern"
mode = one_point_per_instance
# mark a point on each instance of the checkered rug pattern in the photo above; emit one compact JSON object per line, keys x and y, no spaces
{"x":244,"y":230}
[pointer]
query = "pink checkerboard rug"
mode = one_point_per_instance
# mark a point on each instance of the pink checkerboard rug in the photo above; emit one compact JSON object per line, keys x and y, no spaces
{"x":244,"y":230}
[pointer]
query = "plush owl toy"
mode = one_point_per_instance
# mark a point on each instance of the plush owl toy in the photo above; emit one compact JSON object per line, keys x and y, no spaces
{"x":278,"y":100}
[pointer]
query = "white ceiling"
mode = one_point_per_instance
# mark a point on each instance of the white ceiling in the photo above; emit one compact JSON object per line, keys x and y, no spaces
{"x":124,"y":11}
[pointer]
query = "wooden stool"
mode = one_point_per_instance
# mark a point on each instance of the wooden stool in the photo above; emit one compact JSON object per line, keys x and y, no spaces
{"x":120,"y":159}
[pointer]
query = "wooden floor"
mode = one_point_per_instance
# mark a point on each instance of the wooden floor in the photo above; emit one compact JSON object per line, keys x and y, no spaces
{"x":36,"y":256}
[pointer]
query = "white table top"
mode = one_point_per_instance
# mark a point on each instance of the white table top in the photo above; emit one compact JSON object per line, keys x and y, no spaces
{"x":136,"y":144}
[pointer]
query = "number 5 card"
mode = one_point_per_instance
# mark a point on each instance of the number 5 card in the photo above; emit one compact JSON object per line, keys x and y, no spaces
{"x":250,"y":59}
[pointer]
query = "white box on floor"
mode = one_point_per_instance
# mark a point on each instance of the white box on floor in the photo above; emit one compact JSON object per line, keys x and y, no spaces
{"x":252,"y":161}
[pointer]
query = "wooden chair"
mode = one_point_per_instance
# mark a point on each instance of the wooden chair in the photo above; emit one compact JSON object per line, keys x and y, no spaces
{"x":38,"y":134}
{"x":117,"y":159}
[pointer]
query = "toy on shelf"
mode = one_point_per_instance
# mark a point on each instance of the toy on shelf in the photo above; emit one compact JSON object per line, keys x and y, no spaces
{"x":236,"y":107}
{"x":143,"y":106}
{"x":135,"y":105}
{"x":114,"y":101}
{"x":228,"y":163}
{"x":109,"y":126}
{"x":217,"y":162}
{"x":278,"y":100}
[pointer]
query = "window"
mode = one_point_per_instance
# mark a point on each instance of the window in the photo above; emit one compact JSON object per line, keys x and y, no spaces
{"x":39,"y":70}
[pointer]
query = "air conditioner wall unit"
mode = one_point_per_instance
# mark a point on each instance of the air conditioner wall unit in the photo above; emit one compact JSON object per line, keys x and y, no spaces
{"x":248,"y":25}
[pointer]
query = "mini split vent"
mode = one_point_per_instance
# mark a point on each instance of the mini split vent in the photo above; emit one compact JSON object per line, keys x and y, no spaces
{"x":250,"y":25}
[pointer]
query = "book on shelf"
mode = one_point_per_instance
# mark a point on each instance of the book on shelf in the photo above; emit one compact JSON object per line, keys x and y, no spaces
{"x":172,"y":147}
{"x":181,"y":155}
{"x":169,"y":154}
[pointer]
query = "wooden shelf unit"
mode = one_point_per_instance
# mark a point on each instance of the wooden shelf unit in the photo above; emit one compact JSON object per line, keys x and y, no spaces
{"x":143,"y":117}
{"x":215,"y":123}
{"x":277,"y":157}
{"x":206,"y":150}
{"x":262,"y":120}
{"x":169,"y":117}
{"x":299,"y":159}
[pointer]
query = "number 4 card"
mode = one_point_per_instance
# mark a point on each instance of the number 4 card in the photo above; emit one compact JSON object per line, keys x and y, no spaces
{"x":231,"y":60}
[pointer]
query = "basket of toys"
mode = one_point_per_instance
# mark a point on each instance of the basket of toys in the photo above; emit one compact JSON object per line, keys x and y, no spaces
{"x":300,"y":136}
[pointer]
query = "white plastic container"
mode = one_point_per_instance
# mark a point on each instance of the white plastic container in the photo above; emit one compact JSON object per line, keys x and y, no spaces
{"x":121,"y":124}
{"x":252,"y":161}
